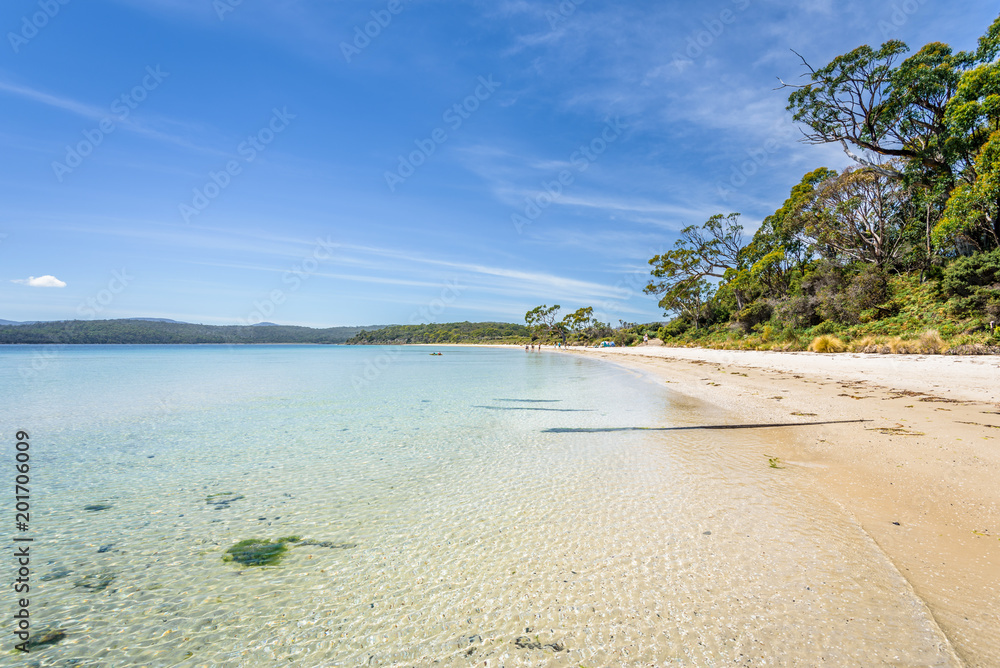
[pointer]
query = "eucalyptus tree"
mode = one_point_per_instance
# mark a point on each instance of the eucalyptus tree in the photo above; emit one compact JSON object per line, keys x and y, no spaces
{"x":860,"y":217}
{"x":702,"y":252}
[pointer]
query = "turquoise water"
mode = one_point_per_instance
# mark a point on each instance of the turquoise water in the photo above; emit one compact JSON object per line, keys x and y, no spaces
{"x":464,"y":509}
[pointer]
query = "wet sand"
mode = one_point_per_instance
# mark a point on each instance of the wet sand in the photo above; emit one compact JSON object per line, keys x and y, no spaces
{"x":921,"y":474}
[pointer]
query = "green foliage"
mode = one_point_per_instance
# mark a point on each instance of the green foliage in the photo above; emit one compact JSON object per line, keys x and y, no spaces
{"x":780,"y":244}
{"x":967,"y":275}
{"x":542,"y":321}
{"x":580,"y":320}
{"x":867,"y":290}
{"x":797,"y":311}
{"x":754,"y":314}
{"x":899,"y":325}
{"x":825,"y":327}
{"x":972,"y":285}
{"x":675,"y":327}
{"x":972,"y":215}
{"x":838,"y":294}
{"x":453,"y":332}
{"x":709,"y":250}
{"x":933,"y":114}
{"x":626,"y":338}
{"x":859,"y":217}
{"x":829,"y":103}
{"x":974,"y":109}
{"x":867,"y":99}
{"x":849,"y":253}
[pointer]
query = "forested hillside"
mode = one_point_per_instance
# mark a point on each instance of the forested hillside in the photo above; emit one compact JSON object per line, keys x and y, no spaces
{"x":145,"y":331}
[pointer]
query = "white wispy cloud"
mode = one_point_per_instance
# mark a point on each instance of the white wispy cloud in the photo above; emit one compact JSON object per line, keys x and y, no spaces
{"x":97,"y":114}
{"x":46,"y":281}
{"x":516,"y":280}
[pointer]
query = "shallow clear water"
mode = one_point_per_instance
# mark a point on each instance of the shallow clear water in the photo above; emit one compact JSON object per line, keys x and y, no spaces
{"x":471,"y":509}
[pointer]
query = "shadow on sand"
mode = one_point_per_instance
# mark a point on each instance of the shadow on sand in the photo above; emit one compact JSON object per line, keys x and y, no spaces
{"x":533,"y":408}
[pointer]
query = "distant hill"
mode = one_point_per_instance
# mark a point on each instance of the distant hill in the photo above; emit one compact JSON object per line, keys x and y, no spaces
{"x":14,"y":323}
{"x":452,"y":332}
{"x":155,"y":330}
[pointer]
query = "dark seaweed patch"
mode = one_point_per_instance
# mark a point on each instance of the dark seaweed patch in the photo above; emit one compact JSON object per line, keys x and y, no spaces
{"x":94,"y":507}
{"x":257,"y":552}
{"x":222,"y":500}
{"x":45,"y":638}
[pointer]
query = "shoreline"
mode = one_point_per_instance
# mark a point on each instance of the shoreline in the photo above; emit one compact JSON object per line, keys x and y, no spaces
{"x":919,"y":475}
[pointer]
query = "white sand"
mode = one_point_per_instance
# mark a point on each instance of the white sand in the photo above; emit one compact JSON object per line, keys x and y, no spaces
{"x":972,"y":378}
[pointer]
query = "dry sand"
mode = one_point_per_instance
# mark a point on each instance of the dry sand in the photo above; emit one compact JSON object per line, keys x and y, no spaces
{"x":921,"y":475}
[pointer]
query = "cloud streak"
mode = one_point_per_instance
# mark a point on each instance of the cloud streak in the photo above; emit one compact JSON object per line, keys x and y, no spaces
{"x":97,"y":115}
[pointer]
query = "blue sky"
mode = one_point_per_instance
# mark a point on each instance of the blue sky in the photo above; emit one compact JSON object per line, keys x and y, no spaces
{"x":342,"y":163}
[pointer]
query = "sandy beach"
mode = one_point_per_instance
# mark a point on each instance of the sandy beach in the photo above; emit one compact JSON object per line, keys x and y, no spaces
{"x":920,"y":474}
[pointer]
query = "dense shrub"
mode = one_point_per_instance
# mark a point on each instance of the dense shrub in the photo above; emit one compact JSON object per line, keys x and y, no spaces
{"x":798,"y":311}
{"x":826,"y":327}
{"x":868,"y":289}
{"x":826,"y":283}
{"x":842,"y":297}
{"x":756,"y":313}
{"x":675,"y":327}
{"x":972,"y":284}
{"x":623,"y":338}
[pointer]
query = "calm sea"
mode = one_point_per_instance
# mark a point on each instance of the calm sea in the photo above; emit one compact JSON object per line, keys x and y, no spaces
{"x":484,"y":507}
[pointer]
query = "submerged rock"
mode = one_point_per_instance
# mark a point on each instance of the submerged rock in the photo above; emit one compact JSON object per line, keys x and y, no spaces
{"x":94,"y":507}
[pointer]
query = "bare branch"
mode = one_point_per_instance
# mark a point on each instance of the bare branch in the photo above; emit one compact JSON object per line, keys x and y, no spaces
{"x":891,"y":173}
{"x":788,"y":85}
{"x":804,"y":61}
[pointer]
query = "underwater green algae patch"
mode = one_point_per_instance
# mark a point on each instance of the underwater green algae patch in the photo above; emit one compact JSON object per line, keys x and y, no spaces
{"x":257,"y":552}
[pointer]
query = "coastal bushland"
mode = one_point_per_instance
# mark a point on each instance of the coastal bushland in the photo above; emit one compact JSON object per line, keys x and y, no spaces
{"x":898,"y":253}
